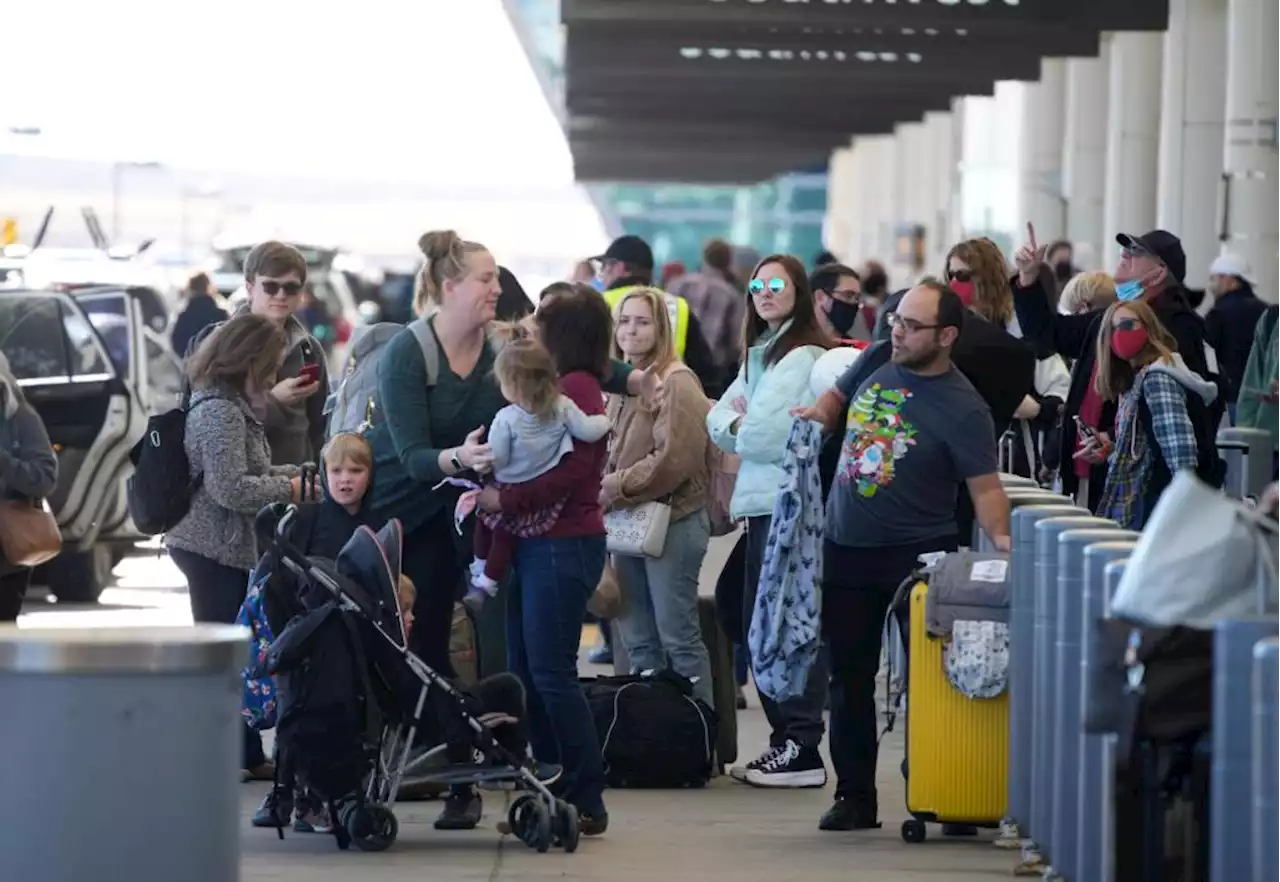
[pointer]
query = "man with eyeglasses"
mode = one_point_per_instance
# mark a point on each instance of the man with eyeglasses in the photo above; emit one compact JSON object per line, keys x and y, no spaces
{"x":916,"y":430}
{"x":274,"y":276}
{"x":1152,"y":267}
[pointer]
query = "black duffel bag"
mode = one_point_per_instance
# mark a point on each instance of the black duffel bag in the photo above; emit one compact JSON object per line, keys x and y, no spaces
{"x":653,"y":731}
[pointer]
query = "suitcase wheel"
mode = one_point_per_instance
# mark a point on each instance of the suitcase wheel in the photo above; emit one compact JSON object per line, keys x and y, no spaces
{"x":914,"y":831}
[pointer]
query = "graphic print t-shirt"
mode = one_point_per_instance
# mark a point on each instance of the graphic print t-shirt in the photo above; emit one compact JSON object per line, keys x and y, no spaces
{"x":909,"y":443}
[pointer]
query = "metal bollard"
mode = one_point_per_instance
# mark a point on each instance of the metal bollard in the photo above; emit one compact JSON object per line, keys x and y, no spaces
{"x":1112,"y":575}
{"x":1046,"y":593}
{"x":1234,"y":454}
{"x":125,"y":763}
{"x":1231,"y":834}
{"x":1266,"y":735}
{"x":1021,"y":653}
{"x":1065,"y":719}
{"x":1257,"y":461}
{"x":1019,"y":497}
{"x":1099,"y":561}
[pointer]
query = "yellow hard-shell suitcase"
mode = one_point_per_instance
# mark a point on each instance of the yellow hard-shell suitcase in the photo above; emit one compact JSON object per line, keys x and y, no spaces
{"x":957,"y":747}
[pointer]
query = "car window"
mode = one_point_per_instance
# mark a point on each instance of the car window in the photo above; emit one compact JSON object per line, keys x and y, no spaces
{"x":109,"y":314}
{"x":164,"y":371}
{"x":47,"y":342}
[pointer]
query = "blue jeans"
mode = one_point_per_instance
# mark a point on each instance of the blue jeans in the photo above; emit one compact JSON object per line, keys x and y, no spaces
{"x":660,"y":612}
{"x":545,"y":604}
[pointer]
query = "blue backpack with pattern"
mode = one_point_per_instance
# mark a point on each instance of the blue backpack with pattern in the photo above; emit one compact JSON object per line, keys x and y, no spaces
{"x":258,"y":704}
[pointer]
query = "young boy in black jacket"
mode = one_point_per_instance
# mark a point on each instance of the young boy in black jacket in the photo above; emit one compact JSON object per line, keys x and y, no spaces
{"x":321,"y":530}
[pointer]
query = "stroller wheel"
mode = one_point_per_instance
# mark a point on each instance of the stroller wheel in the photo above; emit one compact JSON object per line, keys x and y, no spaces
{"x":541,"y":835}
{"x":372,"y":827}
{"x":566,"y":825}
{"x":522,"y":820}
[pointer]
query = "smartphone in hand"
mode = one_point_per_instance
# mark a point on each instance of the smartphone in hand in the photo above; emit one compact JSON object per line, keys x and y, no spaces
{"x":310,"y":373}
{"x":1087,"y":432}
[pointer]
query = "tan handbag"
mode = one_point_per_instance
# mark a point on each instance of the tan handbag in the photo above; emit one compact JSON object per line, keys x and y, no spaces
{"x":29,"y":535}
{"x":606,"y":601}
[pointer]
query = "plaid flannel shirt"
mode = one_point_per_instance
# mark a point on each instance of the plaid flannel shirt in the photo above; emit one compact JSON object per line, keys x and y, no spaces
{"x":1129,"y":471}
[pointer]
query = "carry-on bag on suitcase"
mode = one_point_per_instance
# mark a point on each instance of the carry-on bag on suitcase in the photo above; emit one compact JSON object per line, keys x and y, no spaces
{"x":957,"y":747}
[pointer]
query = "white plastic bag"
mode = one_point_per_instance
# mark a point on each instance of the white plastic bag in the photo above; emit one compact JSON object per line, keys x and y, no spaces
{"x":1203,"y":558}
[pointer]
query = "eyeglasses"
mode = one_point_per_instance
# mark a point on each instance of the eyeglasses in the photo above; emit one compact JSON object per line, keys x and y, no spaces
{"x":290,"y":289}
{"x":909,"y":325}
{"x":847,"y":295}
{"x":963,"y":275}
{"x":757,"y":286}
{"x":1126,"y":324}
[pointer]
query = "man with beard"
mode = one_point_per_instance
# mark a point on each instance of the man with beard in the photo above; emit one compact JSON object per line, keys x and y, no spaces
{"x":916,"y":429}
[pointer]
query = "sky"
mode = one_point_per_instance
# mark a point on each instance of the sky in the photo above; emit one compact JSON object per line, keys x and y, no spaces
{"x":410,"y":90}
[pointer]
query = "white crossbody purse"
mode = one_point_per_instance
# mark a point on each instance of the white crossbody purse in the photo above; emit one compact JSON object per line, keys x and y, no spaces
{"x":638,"y":531}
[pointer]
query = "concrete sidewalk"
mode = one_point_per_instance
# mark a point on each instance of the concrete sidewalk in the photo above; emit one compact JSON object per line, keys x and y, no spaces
{"x":728,"y":831}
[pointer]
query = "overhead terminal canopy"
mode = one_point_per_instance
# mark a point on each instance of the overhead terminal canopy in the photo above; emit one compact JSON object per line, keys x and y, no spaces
{"x":764,"y":84}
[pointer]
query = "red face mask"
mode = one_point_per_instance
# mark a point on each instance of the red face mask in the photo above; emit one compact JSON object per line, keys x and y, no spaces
{"x":964,"y":290}
{"x":1127,"y":344}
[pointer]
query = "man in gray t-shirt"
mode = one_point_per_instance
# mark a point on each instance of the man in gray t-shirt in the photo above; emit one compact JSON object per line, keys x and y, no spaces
{"x":916,"y":429}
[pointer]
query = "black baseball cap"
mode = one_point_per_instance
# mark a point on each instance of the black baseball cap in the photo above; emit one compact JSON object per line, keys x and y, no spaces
{"x":631,"y":250}
{"x":1164,"y":246}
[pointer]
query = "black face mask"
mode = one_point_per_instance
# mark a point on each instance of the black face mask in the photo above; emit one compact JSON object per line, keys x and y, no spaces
{"x":875,"y":284}
{"x":1063,"y":270}
{"x":842,"y":316}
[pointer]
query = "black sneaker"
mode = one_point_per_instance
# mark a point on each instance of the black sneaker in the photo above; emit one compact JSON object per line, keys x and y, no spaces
{"x":794,"y":765}
{"x":462,"y":810}
{"x":275,"y":810}
{"x":845,"y":815}
{"x":593,"y":825}
{"x":739,"y":772}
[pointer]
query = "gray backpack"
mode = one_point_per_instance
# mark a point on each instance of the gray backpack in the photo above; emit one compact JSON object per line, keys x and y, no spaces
{"x":352,"y":406}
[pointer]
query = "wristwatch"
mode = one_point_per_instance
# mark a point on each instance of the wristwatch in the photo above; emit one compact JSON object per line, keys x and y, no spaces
{"x":455,"y":462}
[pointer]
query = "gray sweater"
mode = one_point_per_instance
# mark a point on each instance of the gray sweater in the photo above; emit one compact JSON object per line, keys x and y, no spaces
{"x":227,"y":444}
{"x":28,"y":465}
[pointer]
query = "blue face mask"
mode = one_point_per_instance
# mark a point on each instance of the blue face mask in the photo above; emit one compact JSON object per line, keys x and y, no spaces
{"x":1130,"y":290}
{"x":597,"y":283}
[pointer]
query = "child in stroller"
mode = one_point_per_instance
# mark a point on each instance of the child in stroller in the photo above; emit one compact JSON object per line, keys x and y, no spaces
{"x":352,"y":697}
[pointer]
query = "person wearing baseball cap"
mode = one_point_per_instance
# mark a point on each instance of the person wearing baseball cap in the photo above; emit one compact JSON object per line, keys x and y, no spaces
{"x":1230,"y":324}
{"x":1152,"y":267}
{"x":628,"y":263}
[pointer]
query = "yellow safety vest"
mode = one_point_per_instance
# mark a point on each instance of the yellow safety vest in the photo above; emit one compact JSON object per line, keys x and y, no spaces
{"x":677,"y":311}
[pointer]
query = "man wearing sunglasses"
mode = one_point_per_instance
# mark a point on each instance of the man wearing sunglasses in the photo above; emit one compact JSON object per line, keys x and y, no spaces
{"x":274,"y":276}
{"x":1152,"y":267}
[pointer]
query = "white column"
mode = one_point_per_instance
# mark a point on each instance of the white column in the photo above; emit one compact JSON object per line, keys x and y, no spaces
{"x":1040,"y":172}
{"x":910,"y":191}
{"x":940,"y":133}
{"x":1084,"y":158}
{"x":955,"y":172}
{"x":1133,"y":137}
{"x":1250,"y":144}
{"x":840,"y":227}
{"x":1191,"y":130}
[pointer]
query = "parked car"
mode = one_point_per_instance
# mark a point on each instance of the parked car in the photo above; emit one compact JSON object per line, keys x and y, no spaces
{"x":94,"y":371}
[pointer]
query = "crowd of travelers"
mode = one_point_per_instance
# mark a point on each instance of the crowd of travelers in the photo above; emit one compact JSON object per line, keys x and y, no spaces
{"x":609,"y":394}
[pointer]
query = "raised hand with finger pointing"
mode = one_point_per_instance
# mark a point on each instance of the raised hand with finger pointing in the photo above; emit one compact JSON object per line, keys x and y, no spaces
{"x":1029,"y":258}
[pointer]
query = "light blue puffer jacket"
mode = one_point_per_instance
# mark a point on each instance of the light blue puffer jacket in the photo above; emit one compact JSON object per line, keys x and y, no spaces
{"x":761,"y":439}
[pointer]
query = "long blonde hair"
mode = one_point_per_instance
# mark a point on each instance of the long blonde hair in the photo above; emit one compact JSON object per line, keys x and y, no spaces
{"x":10,"y":394}
{"x":663,"y":354}
{"x":1115,"y":374}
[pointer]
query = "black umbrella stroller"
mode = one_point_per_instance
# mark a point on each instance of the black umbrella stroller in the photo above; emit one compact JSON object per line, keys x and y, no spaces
{"x":352,"y":697}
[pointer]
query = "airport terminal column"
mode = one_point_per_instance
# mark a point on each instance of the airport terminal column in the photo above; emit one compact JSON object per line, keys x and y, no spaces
{"x":876,"y":169}
{"x":1252,"y":201}
{"x":1191,"y":127}
{"x":1040,"y":164}
{"x":939,"y":130}
{"x":1084,"y":157}
{"x":121,"y":753}
{"x":910,"y":185}
{"x":1133,"y":137}
{"x":955,"y":172}
{"x":840,"y":226}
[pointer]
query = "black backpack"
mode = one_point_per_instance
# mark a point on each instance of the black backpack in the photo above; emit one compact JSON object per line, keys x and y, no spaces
{"x":160,"y":490}
{"x":653,"y":732}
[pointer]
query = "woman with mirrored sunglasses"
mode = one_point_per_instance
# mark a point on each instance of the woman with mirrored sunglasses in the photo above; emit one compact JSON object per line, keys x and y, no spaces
{"x":781,"y":343}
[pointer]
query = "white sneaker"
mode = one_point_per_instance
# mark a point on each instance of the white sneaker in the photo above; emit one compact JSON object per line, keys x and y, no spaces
{"x":739,"y":772}
{"x":792,"y":766}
